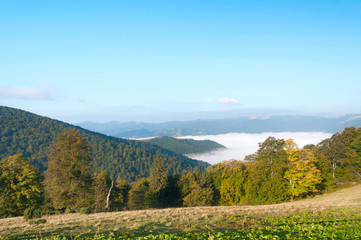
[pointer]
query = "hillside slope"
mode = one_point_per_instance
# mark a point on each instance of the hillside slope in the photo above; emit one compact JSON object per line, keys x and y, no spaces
{"x":185,"y":146}
{"x":346,"y":201}
{"x":32,"y":135}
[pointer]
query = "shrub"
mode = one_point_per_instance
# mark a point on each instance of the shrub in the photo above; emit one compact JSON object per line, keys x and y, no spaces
{"x":70,"y":210}
{"x":38,"y":221}
{"x":84,"y":210}
{"x":32,"y":212}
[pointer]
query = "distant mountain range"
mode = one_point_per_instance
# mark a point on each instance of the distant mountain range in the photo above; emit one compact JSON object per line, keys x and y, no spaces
{"x":288,"y":123}
{"x":185,"y":146}
{"x":32,"y":135}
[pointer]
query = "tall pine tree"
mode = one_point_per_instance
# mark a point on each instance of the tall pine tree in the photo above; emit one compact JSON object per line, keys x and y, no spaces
{"x":157,"y":183}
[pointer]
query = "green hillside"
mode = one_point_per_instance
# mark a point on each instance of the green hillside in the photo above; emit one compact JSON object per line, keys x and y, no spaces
{"x":32,"y":135}
{"x":185,"y":146}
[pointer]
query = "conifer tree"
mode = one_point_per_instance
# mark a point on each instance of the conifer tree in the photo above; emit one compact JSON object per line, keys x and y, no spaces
{"x":157,"y":184}
{"x":158,"y":175}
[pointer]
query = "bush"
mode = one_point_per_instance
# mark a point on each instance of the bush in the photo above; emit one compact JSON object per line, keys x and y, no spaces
{"x":70,"y":210}
{"x":38,"y":221}
{"x":32,"y":212}
{"x":84,"y":210}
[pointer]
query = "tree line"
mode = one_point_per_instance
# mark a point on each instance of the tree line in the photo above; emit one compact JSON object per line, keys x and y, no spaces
{"x":279,"y":171}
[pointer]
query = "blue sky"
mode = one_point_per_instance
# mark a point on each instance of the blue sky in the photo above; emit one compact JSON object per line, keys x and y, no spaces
{"x":156,"y":61}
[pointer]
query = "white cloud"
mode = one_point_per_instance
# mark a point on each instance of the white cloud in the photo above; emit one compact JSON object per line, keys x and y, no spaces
{"x":259,"y":117}
{"x":353,"y":118}
{"x":228,"y":101}
{"x":240,"y":145}
{"x":28,"y":93}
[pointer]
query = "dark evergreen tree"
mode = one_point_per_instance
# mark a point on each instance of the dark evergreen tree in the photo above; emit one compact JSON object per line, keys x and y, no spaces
{"x":157,"y":183}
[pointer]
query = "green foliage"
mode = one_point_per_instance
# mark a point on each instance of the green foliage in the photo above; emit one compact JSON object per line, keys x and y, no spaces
{"x":138,"y":195}
{"x":119,"y":195}
{"x":33,"y":135}
{"x":198,"y":196}
{"x":20,"y":186}
{"x":32,"y":212}
{"x":158,"y":175}
{"x":266,"y":183}
{"x":68,"y":178}
{"x":101,"y":186}
{"x":338,"y":158}
{"x":172,"y":196}
{"x":232,"y":188}
{"x":37,"y":221}
{"x":193,"y":194}
{"x":185,"y":146}
{"x":331,"y":224}
{"x":84,"y":210}
{"x":157,"y":184}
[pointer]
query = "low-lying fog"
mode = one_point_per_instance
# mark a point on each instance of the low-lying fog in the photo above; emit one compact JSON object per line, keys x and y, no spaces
{"x":240,"y":145}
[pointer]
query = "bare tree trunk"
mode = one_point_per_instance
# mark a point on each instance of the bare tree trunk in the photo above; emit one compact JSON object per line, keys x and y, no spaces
{"x":292,"y":187}
{"x":334,"y":165}
{"x":110,"y":190}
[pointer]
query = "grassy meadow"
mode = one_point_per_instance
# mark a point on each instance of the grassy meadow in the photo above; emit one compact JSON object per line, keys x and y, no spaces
{"x":330,"y":216}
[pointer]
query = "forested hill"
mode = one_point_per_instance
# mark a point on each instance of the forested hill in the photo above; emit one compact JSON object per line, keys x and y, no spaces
{"x":185,"y":146}
{"x":32,"y":135}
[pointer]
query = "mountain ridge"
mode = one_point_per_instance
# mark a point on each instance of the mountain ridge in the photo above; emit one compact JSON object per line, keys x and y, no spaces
{"x":281,"y":123}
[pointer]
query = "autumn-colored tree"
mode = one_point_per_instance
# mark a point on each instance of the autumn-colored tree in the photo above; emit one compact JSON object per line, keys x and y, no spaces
{"x":20,"y":186}
{"x":302,"y":174}
{"x":68,"y":178}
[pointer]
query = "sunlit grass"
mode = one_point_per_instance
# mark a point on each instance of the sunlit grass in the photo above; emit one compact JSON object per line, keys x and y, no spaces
{"x":335,"y":207}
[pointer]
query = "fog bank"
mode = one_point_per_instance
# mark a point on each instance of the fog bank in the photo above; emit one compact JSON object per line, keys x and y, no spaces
{"x":240,"y":145}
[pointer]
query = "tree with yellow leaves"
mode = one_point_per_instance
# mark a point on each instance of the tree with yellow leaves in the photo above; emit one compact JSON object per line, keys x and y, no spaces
{"x":302,"y":174}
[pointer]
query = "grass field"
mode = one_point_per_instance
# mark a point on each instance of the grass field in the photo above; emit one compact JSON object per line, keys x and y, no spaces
{"x":329,"y":216}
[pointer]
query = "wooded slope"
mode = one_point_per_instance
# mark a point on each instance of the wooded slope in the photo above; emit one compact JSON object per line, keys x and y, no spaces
{"x":32,"y":135}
